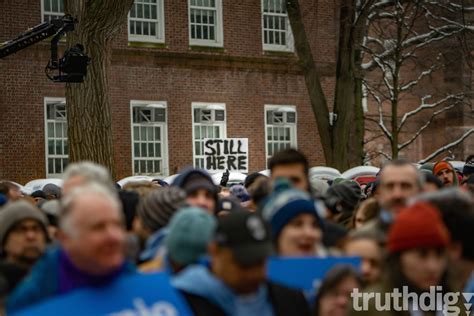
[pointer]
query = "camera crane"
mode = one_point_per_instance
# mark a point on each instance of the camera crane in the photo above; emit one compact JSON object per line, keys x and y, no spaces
{"x":72,"y":67}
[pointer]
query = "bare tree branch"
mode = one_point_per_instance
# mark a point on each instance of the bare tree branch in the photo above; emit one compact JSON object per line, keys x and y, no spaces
{"x":448,"y":146}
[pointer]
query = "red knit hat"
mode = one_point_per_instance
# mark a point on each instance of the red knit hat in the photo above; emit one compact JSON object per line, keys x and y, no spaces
{"x":440,"y":166}
{"x":418,"y":226}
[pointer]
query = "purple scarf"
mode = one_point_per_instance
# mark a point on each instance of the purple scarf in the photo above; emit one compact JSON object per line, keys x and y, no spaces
{"x":70,"y":277}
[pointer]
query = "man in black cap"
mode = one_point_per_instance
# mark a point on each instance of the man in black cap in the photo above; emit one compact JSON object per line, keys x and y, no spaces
{"x":235,"y":283}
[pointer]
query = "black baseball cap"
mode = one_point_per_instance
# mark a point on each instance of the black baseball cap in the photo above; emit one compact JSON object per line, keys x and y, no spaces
{"x":247,"y":235}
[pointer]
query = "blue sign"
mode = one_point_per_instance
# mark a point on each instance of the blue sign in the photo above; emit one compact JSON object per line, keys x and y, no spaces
{"x":137,"y":295}
{"x":305,"y":273}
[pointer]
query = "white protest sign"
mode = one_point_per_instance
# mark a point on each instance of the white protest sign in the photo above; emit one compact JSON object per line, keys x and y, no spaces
{"x":226,"y":154}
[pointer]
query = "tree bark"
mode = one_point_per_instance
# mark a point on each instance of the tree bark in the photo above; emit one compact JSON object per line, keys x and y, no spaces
{"x":88,"y":103}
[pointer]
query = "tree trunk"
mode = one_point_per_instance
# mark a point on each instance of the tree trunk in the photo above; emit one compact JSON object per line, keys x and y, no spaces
{"x":313,"y":82}
{"x":88,"y":103}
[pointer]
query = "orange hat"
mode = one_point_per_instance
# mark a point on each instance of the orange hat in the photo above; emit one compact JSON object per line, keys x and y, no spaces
{"x":418,"y":226}
{"x":440,"y":166}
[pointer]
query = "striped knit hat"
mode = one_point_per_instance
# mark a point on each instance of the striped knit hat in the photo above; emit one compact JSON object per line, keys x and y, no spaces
{"x":156,"y":209}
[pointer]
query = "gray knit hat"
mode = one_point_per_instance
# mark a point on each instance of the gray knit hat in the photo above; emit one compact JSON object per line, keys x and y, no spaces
{"x":16,"y":212}
{"x":156,"y":209}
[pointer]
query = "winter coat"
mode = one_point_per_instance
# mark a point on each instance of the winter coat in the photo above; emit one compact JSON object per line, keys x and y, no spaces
{"x":43,"y":282}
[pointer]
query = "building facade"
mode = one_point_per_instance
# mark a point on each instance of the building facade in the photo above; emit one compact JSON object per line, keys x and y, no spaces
{"x":182,"y":70}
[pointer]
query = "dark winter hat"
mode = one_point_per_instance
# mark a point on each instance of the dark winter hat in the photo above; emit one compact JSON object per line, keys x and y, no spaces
{"x":229,"y":204}
{"x":239,"y":192}
{"x":156,"y":209}
{"x":52,"y":189}
{"x":468,"y":168}
{"x":285,"y":204}
{"x":346,"y":194}
{"x":418,"y":226}
{"x":190,"y":231}
{"x":15,"y":212}
{"x":247,"y":235}
{"x":251,"y":178}
{"x":129,"y":200}
{"x":39,"y":194}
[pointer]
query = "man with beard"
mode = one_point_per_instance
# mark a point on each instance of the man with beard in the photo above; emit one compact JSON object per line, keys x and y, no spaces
{"x":23,"y":240}
{"x":445,"y":172}
{"x":399,"y":181}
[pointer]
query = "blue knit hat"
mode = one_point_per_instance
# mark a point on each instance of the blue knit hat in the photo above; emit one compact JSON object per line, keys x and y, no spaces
{"x":286,"y":203}
{"x":190,"y":230}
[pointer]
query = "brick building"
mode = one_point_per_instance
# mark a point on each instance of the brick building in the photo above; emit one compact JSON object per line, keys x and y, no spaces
{"x":181,"y":70}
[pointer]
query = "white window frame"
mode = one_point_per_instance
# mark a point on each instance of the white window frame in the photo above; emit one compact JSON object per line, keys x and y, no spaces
{"x":160,"y":34}
{"x":293,"y":126}
{"x":289,"y":47}
{"x":219,"y":26}
{"x":49,"y":13}
{"x":221,"y":124}
{"x":50,"y":100}
{"x":164,"y":136}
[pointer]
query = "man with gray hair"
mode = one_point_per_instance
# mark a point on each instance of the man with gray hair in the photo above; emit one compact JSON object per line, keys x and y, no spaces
{"x":90,"y":252}
{"x":84,"y":172}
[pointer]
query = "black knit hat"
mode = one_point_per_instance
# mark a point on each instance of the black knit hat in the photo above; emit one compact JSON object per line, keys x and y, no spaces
{"x":347,"y":194}
{"x":156,"y":209}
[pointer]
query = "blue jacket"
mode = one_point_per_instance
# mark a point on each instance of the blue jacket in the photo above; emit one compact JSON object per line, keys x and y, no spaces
{"x":42,"y":282}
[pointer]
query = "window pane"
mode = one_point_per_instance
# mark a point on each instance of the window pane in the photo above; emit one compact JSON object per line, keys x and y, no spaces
{"x":157,"y":168}
{"x":154,"y":8}
{"x":269,"y":133}
{"x":142,"y":166}
{"x":136,"y":149}
{"x":143,"y":150}
{"x":197,"y":148}
{"x":136,"y":132}
{"x":157,"y":133}
{"x":59,"y":147}
{"x":59,"y":130}
{"x":51,"y":150}
{"x":197,"y":132}
{"x":158,"y":150}
{"x":50,"y":165}
{"x":150,"y":133}
{"x":149,"y":166}
{"x":47,"y":5}
{"x":153,"y":29}
{"x":66,"y":148}
{"x":58,"y":166}
{"x":151,"y":150}
{"x":143,"y":135}
{"x":136,"y":166}
{"x":55,"y":6}
{"x":147,"y":13}
{"x":139,"y":11}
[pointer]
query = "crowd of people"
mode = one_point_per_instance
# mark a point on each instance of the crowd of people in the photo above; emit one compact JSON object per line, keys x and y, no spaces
{"x":411,"y":227}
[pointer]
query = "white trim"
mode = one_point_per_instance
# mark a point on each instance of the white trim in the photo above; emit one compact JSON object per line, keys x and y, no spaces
{"x":219,"y":25}
{"x":160,"y":32}
{"x":289,"y":47}
{"x":46,"y":101}
{"x":282,"y":108}
{"x":164,"y":142}
{"x":208,"y":106}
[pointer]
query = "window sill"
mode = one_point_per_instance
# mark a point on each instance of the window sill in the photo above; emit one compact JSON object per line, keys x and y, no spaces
{"x":147,"y":44}
{"x":199,"y":48}
{"x":278,"y":53}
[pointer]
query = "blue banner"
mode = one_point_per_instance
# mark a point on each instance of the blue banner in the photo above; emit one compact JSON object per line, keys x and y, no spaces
{"x":137,"y":295}
{"x":306,"y":274}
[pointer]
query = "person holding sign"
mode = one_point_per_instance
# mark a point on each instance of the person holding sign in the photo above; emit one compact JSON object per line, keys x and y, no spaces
{"x":235,"y":283}
{"x":90,"y":253}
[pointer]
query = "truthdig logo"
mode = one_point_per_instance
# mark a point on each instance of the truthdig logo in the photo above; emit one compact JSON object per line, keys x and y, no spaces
{"x":433,"y":301}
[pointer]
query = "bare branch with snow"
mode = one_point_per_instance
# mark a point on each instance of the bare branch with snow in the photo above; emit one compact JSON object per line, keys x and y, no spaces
{"x":448,"y":146}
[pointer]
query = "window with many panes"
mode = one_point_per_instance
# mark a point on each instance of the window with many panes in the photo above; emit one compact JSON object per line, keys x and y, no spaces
{"x":280,"y":128}
{"x":205,"y":23}
{"x":51,"y":9}
{"x":146,"y":21}
{"x":149,"y":138}
{"x":56,"y":136}
{"x":276,"y":30}
{"x":208,"y":122}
